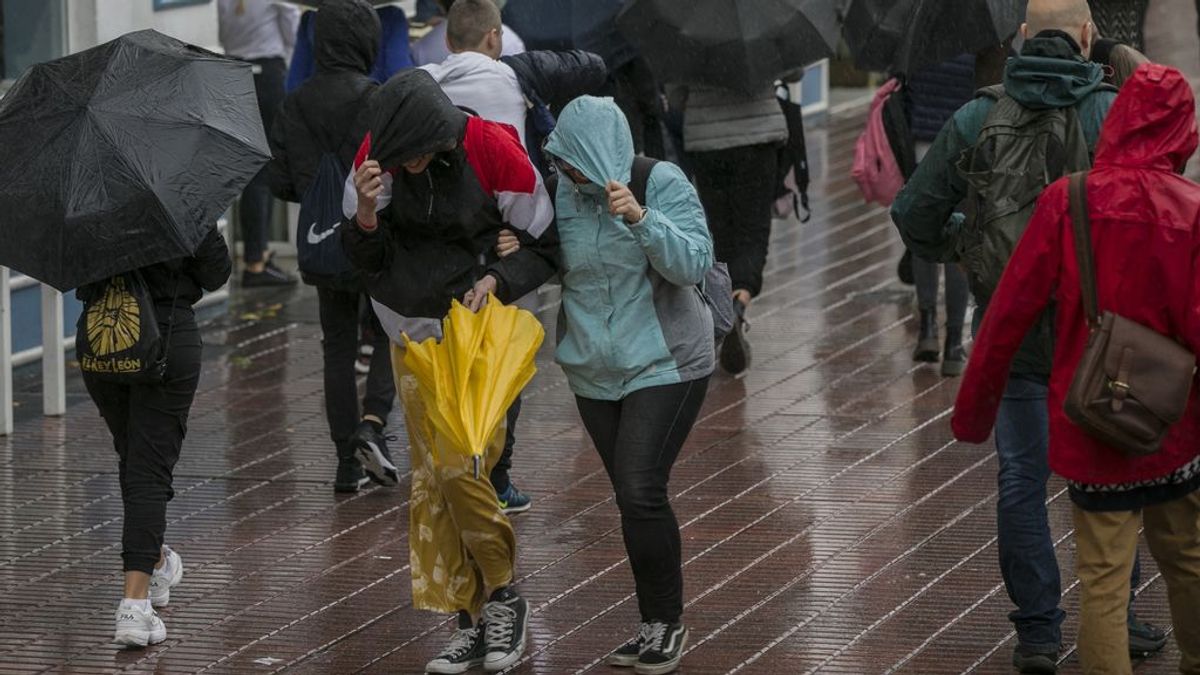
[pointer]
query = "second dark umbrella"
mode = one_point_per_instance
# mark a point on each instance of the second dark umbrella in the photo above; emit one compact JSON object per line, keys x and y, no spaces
{"x":727,"y":43}
{"x":903,"y":36}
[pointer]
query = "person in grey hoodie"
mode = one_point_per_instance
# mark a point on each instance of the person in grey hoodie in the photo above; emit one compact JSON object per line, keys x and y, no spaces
{"x":733,"y":142}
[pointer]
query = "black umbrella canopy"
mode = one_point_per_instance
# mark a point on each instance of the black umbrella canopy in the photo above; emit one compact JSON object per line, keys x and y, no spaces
{"x":903,"y":36}
{"x":122,"y":156}
{"x":730,"y":43}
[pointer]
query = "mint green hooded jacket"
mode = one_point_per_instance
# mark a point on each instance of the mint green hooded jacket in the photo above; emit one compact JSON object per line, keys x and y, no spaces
{"x":632,"y":316}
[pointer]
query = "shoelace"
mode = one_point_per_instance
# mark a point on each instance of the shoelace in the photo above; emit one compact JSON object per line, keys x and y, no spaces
{"x":461,"y":643}
{"x":652,"y":636}
{"x":499,"y":618}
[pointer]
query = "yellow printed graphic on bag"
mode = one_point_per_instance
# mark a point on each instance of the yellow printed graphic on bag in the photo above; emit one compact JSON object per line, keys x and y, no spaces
{"x":114,"y":323}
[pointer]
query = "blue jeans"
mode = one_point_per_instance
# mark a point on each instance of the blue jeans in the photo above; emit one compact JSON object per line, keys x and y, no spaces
{"x":1027,"y":560}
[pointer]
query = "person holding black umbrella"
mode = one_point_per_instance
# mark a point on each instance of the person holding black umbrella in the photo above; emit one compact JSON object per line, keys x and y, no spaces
{"x":140,"y":244}
{"x":733,"y":140}
{"x":148,"y":423}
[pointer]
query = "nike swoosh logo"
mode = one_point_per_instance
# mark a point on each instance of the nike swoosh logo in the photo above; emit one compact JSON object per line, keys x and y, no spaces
{"x":315,"y":238}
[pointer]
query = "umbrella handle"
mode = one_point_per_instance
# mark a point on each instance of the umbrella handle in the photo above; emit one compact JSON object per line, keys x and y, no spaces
{"x":476,"y":458}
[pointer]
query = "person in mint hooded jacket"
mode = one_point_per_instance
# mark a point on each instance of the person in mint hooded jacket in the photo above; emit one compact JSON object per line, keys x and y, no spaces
{"x":635,"y":338}
{"x":1052,"y":71}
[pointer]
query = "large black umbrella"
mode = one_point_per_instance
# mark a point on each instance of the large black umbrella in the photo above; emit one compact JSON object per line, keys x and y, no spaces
{"x":570,"y":24}
{"x":902,"y":36}
{"x":122,"y":156}
{"x":730,"y":43}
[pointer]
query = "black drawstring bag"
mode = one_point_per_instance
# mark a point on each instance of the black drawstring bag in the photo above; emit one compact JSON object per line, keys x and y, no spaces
{"x":117,"y":338}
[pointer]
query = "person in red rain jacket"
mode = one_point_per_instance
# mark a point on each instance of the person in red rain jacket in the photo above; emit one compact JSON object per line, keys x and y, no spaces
{"x":1145,"y":220}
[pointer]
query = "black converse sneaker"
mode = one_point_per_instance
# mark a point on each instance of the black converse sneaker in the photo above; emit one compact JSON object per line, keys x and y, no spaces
{"x":626,"y":656}
{"x":662,"y":648}
{"x":505,"y":619}
{"x":466,"y":650}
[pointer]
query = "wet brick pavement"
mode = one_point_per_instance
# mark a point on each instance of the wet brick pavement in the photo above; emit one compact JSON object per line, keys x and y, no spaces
{"x":829,"y":521}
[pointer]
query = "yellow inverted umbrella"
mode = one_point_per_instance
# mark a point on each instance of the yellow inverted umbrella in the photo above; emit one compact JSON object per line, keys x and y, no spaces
{"x":470,"y":379}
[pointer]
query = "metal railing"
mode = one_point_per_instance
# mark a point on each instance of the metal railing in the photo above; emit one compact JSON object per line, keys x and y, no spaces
{"x":53,"y":350}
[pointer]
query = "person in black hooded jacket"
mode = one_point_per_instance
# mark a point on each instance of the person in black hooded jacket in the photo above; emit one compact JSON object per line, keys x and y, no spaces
{"x":312,"y":123}
{"x":433,"y":188}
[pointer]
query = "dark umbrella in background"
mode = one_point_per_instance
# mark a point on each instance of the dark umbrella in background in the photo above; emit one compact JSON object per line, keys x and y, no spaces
{"x":902,"y":36}
{"x":570,"y":24}
{"x":122,"y":156}
{"x":730,"y":43}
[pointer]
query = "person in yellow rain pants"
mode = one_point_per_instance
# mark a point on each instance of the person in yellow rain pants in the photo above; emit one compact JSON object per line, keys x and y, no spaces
{"x":430,"y":191}
{"x":461,"y":544}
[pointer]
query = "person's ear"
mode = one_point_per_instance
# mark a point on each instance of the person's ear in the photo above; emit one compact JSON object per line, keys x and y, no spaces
{"x":1087,"y":38}
{"x":1025,"y":31}
{"x":495,"y":43}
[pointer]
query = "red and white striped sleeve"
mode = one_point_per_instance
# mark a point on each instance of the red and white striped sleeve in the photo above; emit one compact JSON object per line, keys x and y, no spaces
{"x":504,"y":170}
{"x":350,"y":194}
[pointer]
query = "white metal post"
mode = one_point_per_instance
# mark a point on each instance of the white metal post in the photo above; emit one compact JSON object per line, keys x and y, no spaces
{"x":54,"y":362}
{"x":6,"y":381}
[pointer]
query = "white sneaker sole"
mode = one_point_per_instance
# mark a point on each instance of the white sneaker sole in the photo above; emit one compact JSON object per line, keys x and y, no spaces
{"x":452,"y":668}
{"x":139,"y":638}
{"x":164,"y":598}
{"x":377,"y":466}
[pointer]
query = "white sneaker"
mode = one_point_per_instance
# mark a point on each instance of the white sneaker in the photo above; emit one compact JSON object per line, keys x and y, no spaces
{"x":138,"y":628}
{"x":165,"y":578}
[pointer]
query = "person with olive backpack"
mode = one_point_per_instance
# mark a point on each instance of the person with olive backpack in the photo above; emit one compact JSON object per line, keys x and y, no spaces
{"x":1118,"y":250}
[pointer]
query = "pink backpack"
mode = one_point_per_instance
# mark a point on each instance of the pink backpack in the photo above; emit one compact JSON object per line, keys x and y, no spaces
{"x":875,"y":167}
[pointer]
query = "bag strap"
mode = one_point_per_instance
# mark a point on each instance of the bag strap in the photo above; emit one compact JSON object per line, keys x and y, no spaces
{"x":1082,"y":228}
{"x":639,"y":182}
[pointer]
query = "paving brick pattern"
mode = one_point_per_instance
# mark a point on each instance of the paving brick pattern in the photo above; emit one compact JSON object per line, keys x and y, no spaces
{"x":830,"y":523}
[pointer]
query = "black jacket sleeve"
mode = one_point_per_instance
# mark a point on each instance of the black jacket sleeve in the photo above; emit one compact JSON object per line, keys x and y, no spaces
{"x":526,"y":270}
{"x":560,"y":77}
{"x":279,"y":171}
{"x":211,"y":266}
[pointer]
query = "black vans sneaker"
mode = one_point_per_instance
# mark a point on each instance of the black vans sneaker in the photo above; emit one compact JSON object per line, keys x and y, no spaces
{"x":466,"y":650}
{"x":505,"y":620}
{"x":370,"y":446}
{"x":626,"y":656}
{"x":662,"y":648}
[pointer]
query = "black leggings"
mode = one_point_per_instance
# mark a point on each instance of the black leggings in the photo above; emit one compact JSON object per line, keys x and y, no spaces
{"x":148,"y":423}
{"x":638,"y":439}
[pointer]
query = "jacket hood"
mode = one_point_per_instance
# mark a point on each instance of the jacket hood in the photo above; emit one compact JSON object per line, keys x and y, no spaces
{"x":593,"y":136}
{"x":1152,"y":124}
{"x":1049,"y":73}
{"x":410,"y":117}
{"x":346,"y":36}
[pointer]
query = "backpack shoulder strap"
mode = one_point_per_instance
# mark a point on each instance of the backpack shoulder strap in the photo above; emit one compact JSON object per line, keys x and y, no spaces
{"x":640,"y":180}
{"x":994,"y":92}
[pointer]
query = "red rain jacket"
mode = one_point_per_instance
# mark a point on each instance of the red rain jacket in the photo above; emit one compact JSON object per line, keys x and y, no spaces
{"x":1146,"y":235}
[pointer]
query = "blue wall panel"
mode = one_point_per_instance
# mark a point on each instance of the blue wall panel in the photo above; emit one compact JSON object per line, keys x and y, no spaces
{"x":27,"y":317}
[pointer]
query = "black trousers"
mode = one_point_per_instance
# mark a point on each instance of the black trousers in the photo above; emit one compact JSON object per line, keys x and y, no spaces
{"x":499,"y":476}
{"x":638,"y":439}
{"x":148,"y":423}
{"x":254,"y":211}
{"x":339,"y":312}
{"x":737,"y":188}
